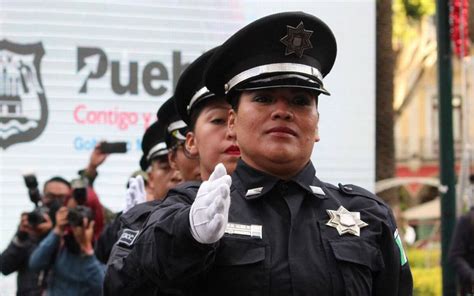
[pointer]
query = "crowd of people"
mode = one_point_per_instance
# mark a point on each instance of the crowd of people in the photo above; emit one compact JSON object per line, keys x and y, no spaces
{"x":227,"y":201}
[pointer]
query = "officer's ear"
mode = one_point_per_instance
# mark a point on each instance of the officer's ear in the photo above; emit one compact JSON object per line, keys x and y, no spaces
{"x":231,"y":123}
{"x":190,"y":145}
{"x":151,"y":181}
{"x":316,"y":132}
{"x":172,"y":159}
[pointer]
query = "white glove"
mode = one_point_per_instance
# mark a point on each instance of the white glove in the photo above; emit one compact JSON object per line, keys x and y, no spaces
{"x":135,"y":193}
{"x":209,"y":212}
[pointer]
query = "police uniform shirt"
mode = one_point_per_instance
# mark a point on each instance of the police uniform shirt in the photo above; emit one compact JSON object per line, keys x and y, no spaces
{"x":278,"y":242}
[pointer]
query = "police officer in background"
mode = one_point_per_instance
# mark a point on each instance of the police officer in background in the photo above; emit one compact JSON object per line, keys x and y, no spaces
{"x":179,"y":157}
{"x":161,"y":178}
{"x":461,"y":253}
{"x":274,"y":228}
{"x":207,"y":139}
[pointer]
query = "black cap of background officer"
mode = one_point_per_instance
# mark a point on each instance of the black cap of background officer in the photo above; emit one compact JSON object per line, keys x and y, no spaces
{"x":176,"y":128}
{"x":290,"y":49}
{"x":190,"y":90}
{"x":153,"y":144}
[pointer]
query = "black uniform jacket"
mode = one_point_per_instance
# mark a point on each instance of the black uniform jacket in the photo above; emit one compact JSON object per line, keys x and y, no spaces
{"x":15,"y":258}
{"x":107,"y":239}
{"x":295,"y":253}
{"x":122,"y":276}
{"x":461,"y":253}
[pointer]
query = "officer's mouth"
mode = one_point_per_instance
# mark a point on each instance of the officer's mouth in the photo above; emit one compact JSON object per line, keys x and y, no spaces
{"x":233,"y":150}
{"x":282,"y":131}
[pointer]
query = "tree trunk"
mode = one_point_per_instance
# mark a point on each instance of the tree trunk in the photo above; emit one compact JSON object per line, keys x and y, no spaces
{"x":384,"y":126}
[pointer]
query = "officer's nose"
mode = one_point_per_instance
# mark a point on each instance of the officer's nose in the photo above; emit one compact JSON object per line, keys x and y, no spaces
{"x":281,"y":110}
{"x":176,"y":177}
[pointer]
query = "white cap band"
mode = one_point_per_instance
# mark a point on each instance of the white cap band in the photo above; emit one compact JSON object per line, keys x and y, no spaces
{"x":273,"y":68}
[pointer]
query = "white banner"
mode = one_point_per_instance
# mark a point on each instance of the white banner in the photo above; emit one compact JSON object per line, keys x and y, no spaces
{"x":77,"y":72}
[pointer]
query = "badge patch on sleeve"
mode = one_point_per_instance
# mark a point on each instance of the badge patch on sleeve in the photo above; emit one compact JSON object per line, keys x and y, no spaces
{"x":398,"y":241}
{"x":128,"y":237}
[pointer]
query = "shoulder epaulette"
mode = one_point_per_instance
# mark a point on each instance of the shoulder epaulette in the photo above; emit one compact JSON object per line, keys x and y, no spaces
{"x":354,"y":190}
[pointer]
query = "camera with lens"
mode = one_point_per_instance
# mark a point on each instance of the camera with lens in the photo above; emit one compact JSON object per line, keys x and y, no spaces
{"x":35,"y":217}
{"x":32,"y":185}
{"x":79,"y":190}
{"x":75,"y":216}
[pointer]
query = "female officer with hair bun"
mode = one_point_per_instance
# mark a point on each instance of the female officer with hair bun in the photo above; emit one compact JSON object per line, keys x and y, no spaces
{"x":274,"y":228}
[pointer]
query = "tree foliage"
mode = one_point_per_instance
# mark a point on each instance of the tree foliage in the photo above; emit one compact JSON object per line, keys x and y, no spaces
{"x":407,"y":15}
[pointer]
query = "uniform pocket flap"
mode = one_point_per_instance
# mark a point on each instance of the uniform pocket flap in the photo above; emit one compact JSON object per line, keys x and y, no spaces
{"x":359,"y":252}
{"x":239,"y":252}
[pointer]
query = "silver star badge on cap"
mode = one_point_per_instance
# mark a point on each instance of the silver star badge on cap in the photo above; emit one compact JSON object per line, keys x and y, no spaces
{"x":297,"y":40}
{"x":345,"y":221}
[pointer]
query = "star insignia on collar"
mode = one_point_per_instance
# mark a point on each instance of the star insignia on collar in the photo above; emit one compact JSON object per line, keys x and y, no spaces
{"x":297,"y":40}
{"x":345,"y":221}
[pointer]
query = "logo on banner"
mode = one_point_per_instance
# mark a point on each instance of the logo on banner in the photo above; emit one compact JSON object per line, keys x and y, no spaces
{"x":23,"y":106}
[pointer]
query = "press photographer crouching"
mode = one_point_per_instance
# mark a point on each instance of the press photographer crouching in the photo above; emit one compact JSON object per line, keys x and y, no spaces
{"x":33,"y":227}
{"x":68,"y":249}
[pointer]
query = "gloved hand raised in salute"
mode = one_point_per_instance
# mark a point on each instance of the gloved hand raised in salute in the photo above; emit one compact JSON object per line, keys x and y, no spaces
{"x":210,"y":210}
{"x":136,"y":193}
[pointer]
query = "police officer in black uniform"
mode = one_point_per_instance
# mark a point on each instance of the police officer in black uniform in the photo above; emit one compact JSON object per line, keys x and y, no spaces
{"x":129,"y":224}
{"x":274,"y":228}
{"x":205,"y":117}
{"x":176,"y":129}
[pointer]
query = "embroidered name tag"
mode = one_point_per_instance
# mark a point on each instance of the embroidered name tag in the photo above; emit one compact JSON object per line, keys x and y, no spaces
{"x":128,"y":237}
{"x":247,"y":230}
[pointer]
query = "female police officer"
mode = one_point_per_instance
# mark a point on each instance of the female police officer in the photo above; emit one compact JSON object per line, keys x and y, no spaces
{"x":278,"y":230}
{"x":208,"y":140}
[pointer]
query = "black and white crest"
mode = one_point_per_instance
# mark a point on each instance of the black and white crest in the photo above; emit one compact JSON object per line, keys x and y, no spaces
{"x":297,"y":40}
{"x":23,"y":106}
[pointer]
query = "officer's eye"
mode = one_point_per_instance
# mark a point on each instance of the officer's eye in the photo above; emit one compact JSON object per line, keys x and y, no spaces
{"x":262,"y":99}
{"x":302,"y":100}
{"x":162,"y":164}
{"x":218,"y":121}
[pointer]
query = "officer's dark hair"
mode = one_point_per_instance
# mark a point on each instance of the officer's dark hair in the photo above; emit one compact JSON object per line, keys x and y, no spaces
{"x":171,"y":141}
{"x":159,"y":158}
{"x":234,"y":98}
{"x":195,"y":112}
{"x":57,"y":179}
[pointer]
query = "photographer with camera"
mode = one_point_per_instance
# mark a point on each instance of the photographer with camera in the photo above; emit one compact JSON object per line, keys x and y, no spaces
{"x":68,"y":250}
{"x":33,"y":227}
